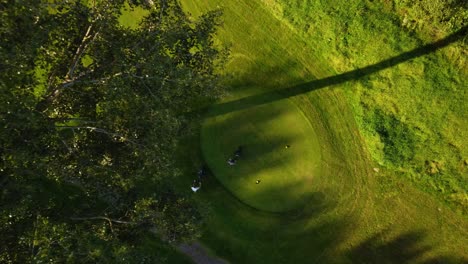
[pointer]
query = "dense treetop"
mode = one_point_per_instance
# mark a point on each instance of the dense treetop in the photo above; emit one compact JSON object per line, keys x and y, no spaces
{"x":90,"y":116}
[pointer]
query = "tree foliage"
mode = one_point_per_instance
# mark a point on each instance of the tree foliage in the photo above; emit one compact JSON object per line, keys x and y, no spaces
{"x":90,"y":113}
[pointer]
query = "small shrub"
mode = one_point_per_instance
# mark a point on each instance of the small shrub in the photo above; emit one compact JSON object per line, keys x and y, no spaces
{"x":398,"y":139}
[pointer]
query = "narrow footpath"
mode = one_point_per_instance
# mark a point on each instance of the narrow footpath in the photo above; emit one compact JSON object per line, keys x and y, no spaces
{"x":199,"y":254}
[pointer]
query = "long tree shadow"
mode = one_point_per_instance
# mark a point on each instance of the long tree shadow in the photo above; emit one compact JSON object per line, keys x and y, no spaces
{"x":268,"y":97}
{"x":409,"y":247}
{"x":265,"y":236}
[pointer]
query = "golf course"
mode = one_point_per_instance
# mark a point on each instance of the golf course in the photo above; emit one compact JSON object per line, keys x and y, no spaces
{"x":325,"y":198}
{"x":234,"y":131}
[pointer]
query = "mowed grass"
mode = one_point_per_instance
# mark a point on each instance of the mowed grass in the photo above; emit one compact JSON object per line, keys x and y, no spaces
{"x":354,"y":214}
{"x":285,"y":173}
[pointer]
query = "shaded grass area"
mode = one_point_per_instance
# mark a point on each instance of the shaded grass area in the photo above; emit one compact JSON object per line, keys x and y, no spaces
{"x":151,"y":244}
{"x":355,"y":214}
{"x":410,"y":246}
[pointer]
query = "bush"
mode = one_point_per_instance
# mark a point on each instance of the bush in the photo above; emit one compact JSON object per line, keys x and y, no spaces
{"x":397,"y":137}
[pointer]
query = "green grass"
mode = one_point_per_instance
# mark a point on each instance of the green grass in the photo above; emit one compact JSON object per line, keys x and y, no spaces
{"x":354,"y":214}
{"x":285,"y":174}
{"x":131,"y":16}
{"x":423,"y":97}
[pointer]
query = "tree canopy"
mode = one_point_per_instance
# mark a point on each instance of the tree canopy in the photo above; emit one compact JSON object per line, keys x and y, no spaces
{"x":90,"y":116}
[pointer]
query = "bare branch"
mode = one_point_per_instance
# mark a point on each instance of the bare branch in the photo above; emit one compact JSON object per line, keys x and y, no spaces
{"x":80,"y":50}
{"x":34,"y":237}
{"x":53,"y":93}
{"x":102,"y":218}
{"x":70,"y":150}
{"x":69,"y":79}
{"x":67,"y":119}
{"x":101,"y":130}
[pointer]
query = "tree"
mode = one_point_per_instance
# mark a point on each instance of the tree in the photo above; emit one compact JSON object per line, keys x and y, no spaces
{"x":91,"y":113}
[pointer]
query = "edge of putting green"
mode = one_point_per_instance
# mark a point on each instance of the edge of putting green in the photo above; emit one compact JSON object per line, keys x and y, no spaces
{"x":285,"y":175}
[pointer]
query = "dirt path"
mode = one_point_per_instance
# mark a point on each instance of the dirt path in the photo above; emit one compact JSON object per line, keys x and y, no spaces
{"x":199,"y":254}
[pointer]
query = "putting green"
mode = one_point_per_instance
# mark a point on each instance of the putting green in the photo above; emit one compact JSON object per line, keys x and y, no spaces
{"x":286,"y":174}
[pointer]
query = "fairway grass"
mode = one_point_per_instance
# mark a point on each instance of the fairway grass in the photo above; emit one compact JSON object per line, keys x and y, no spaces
{"x":354,"y":214}
{"x":285,"y":174}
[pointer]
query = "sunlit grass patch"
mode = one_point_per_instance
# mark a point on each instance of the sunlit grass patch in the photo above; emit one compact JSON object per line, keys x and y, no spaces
{"x":132,"y":16}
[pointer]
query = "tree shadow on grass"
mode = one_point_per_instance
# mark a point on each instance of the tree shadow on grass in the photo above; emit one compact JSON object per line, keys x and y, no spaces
{"x":268,"y":97}
{"x":244,"y":234}
{"x":268,"y":74}
{"x":409,"y":247}
{"x":226,"y":134}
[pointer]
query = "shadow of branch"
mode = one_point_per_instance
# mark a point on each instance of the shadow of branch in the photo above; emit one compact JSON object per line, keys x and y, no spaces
{"x":409,"y":247}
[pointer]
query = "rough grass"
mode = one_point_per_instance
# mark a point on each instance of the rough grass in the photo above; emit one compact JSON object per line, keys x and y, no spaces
{"x":412,"y":116}
{"x":355,"y":214}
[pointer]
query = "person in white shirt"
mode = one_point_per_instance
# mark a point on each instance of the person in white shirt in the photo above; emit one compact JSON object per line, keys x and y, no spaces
{"x":196,"y":185}
{"x":232,"y":161}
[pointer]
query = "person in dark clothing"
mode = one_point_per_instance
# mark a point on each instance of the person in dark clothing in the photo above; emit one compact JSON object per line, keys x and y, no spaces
{"x":238,"y":152}
{"x":201,"y":173}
